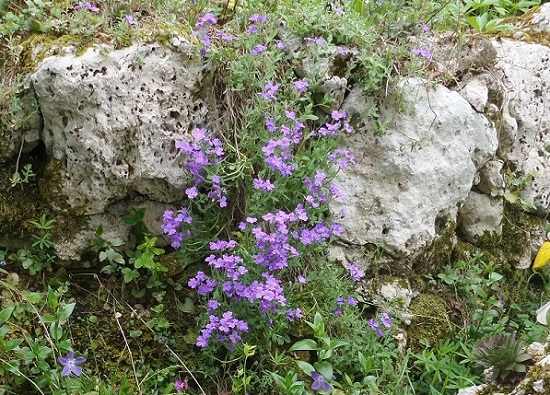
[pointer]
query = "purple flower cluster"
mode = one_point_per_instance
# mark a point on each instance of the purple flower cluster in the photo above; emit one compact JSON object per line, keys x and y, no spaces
{"x":223,"y":329}
{"x":202,"y":283}
{"x":341,"y":302}
{"x":385,"y":320}
{"x":203,"y":30}
{"x":203,"y":152}
{"x":334,"y":126}
{"x":342,"y":158}
{"x":270,"y":92}
{"x":422,"y":52}
{"x":171,"y":223}
{"x":257,"y":20}
{"x":86,"y":6}
{"x":355,"y":272}
{"x":315,"y":40}
{"x":258,"y":49}
{"x":301,"y":86}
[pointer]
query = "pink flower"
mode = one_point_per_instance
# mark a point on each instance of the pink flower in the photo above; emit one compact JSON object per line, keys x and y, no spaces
{"x":181,"y":385}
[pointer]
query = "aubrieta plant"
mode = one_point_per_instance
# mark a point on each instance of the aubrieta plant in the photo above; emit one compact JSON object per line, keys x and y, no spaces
{"x":257,"y":208}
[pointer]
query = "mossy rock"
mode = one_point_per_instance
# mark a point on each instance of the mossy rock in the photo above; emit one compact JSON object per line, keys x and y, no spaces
{"x":430,"y":321}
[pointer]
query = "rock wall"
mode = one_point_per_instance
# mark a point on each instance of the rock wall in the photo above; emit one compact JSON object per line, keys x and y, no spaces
{"x":110,"y":118}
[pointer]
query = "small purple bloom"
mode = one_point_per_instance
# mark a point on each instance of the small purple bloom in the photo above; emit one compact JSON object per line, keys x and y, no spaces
{"x":70,"y":364}
{"x":181,"y":385}
{"x":341,"y":50}
{"x":224,"y":36}
{"x":263,"y":185}
{"x":351,"y":301}
{"x":270,"y":91}
{"x":213,"y":304}
{"x":258,"y":49}
{"x":301,"y":279}
{"x":192,"y":192}
{"x":301,"y":86}
{"x":258,"y":18}
{"x":130,"y":19}
{"x":355,"y":272}
{"x":206,"y":18}
{"x":386,"y":320}
{"x":425,"y":53}
{"x":316,"y":40}
{"x":320,"y":383}
{"x":337,"y":311}
{"x":280,"y":44}
{"x":86,"y":5}
{"x":425,"y":27}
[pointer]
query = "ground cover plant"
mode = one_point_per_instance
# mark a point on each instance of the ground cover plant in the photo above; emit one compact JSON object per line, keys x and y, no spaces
{"x":244,"y":300}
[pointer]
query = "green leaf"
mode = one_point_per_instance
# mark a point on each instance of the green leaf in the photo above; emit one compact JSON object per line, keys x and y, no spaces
{"x":6,"y":314}
{"x":11,"y":344}
{"x":66,"y":310}
{"x":186,"y":307}
{"x":305,"y":367}
{"x":335,"y":343}
{"x":304,"y":345}
{"x":32,"y":297}
{"x":325,"y":368}
{"x":48,"y":319}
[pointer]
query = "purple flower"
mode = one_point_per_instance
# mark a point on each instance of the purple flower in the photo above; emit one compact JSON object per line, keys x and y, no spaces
{"x":355,"y":272}
{"x":263,"y":185}
{"x":86,"y":5}
{"x":302,"y":279}
{"x":340,"y":301}
{"x":341,"y":50}
{"x":280,"y":44}
{"x":301,"y":86}
{"x":386,"y":320}
{"x":337,"y":311}
{"x":316,"y":40}
{"x":425,"y":53}
{"x":222,"y":245}
{"x":351,"y":301}
{"x":338,"y":115}
{"x":375,"y":327}
{"x":258,"y":18}
{"x":425,"y":27}
{"x":130,"y":19}
{"x":206,"y":18}
{"x":252,"y":29}
{"x":212,"y":305}
{"x":70,"y":364}
{"x":192,"y":192}
{"x":294,"y":314}
{"x":320,"y":383}
{"x":181,"y":385}
{"x":258,"y":49}
{"x":224,"y":36}
{"x":270,"y":91}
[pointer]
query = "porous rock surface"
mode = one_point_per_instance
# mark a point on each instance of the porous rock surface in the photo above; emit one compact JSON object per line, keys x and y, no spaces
{"x":415,"y":174}
{"x":110,"y":121}
{"x":524,"y":69}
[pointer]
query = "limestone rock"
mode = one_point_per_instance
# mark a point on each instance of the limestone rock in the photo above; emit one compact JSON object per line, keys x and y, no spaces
{"x":524,"y":69}
{"x":417,"y":173}
{"x":476,"y":93}
{"x":480,"y":215}
{"x":491,"y":181}
{"x":111,"y":118}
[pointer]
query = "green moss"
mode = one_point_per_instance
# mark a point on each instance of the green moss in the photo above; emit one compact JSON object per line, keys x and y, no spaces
{"x":430,"y":320}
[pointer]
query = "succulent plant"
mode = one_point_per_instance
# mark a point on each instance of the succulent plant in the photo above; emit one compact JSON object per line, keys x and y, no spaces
{"x":503,"y":354}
